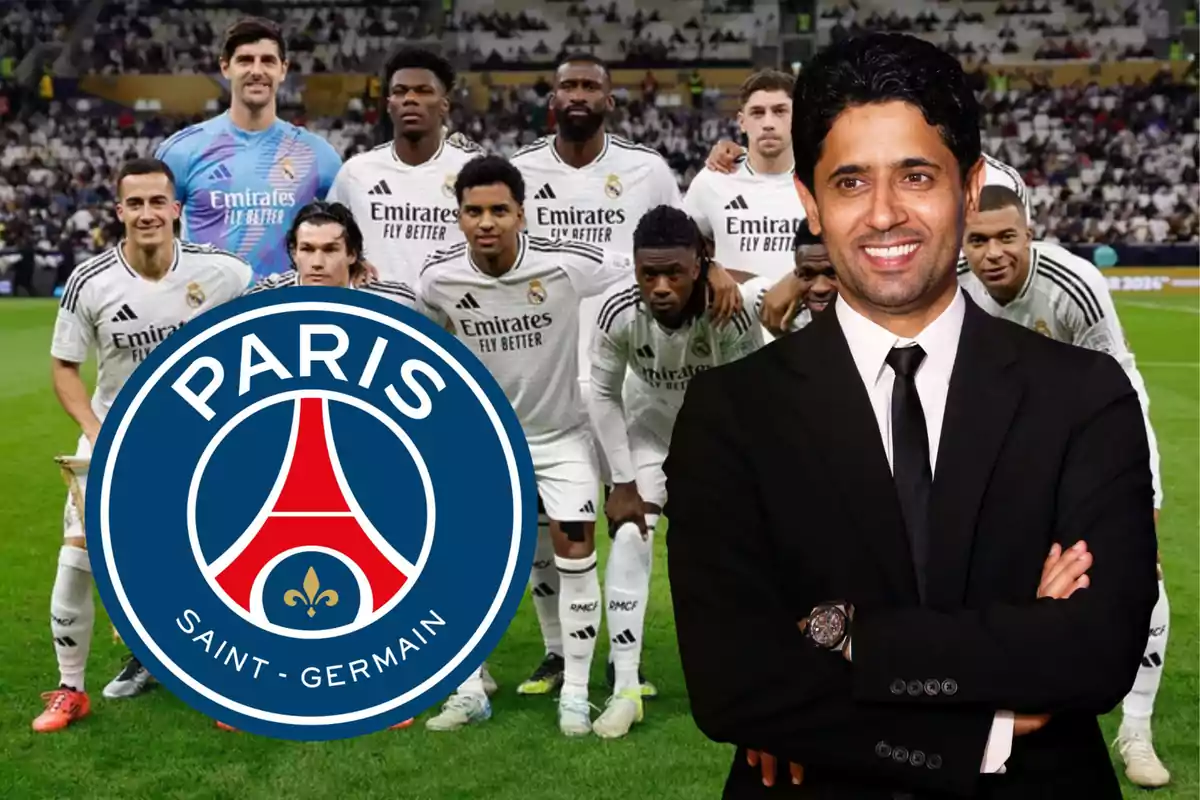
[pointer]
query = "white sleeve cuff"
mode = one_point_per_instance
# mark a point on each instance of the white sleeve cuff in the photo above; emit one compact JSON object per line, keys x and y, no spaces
{"x":999,"y":744}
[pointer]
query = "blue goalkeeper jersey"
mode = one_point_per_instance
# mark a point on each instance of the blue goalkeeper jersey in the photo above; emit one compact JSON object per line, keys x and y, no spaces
{"x":241,"y":190}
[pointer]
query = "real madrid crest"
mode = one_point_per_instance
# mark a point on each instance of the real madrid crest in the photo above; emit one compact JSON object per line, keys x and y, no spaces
{"x":537,"y":292}
{"x":448,"y":184}
{"x":195,"y":295}
{"x":288,"y":169}
{"x":1041,"y":327}
{"x":701,"y":349}
{"x":612,"y":186}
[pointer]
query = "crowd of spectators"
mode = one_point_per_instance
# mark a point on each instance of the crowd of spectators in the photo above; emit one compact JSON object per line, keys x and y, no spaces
{"x":1114,"y":165}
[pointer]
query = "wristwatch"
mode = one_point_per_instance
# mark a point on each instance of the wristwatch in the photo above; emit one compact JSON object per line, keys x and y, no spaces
{"x":828,"y":626}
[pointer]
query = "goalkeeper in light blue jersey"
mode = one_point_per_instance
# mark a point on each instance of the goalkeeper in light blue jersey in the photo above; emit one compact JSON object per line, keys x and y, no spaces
{"x":242,"y":176}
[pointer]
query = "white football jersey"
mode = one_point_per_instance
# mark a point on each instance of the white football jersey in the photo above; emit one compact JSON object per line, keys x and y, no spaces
{"x":405,"y":212}
{"x":997,"y":173}
{"x":108,"y":306}
{"x":751,"y":218}
{"x":524,"y":325}
{"x":392,"y":290}
{"x":600,"y":203}
{"x":660,"y":364}
{"x":1067,"y":298}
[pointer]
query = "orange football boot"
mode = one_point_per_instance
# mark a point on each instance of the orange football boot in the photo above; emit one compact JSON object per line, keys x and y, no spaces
{"x":401,"y":725}
{"x":63,"y":706}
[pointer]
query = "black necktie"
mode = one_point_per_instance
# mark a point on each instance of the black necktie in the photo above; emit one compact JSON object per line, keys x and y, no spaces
{"x":910,"y":455}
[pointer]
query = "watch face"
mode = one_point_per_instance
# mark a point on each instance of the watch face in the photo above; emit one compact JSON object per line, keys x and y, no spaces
{"x":828,"y":626}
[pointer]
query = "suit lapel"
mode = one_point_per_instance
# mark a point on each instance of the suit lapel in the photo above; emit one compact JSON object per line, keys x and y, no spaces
{"x":983,"y":397}
{"x":836,"y":411}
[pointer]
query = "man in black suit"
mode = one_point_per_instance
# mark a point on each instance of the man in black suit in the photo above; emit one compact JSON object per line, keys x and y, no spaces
{"x":907,"y":635}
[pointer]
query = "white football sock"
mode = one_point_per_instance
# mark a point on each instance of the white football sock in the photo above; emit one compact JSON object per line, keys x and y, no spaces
{"x":1138,"y":706}
{"x":579,"y":610}
{"x":544,"y":584}
{"x":626,"y":587}
{"x":473,"y":684}
{"x":72,"y":615}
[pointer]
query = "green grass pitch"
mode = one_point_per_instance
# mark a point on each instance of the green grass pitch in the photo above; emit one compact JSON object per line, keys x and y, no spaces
{"x":156,"y":747}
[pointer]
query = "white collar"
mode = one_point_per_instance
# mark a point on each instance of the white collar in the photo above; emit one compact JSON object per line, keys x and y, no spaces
{"x":870,"y":343}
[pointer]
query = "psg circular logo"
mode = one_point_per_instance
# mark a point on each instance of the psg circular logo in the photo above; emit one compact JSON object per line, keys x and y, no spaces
{"x":311,"y":513}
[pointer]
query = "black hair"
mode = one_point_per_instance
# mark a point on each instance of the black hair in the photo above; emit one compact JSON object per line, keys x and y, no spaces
{"x":249,"y":31}
{"x":805,"y":238}
{"x":416,"y":58}
{"x":878,"y":68}
{"x":994,"y":198}
{"x":584,"y":58}
{"x":144,"y":166}
{"x":320,"y":213}
{"x":487,"y":170}
{"x":666,"y":226}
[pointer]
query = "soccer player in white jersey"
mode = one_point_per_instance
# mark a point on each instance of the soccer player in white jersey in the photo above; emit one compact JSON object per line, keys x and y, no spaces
{"x":513,"y":299}
{"x":815,"y":284}
{"x":1050,"y":290}
{"x":655,"y":330}
{"x":402,"y":192}
{"x":326,"y":246}
{"x":586,"y":184}
{"x":120,"y":304}
{"x":751,"y":215}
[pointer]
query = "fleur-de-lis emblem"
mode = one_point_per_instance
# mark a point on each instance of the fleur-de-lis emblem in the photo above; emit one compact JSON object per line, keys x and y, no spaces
{"x":312,"y":594}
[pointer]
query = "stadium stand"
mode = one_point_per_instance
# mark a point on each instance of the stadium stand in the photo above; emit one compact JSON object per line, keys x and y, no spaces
{"x":1112,"y":164}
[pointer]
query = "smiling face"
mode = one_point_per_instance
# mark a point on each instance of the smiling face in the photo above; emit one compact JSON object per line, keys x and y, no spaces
{"x":148,"y":209}
{"x":818,"y":280}
{"x":416,"y":103}
{"x":997,"y":248}
{"x":255,"y":73}
{"x":888,"y":199}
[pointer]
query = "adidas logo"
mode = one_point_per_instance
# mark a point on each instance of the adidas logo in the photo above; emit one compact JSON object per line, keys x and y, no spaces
{"x":221,"y":173}
{"x":587,"y":633}
{"x":588,"y":508}
{"x":645,"y":352}
{"x":1151,"y":661}
{"x":380,"y":188}
{"x":543,"y":590}
{"x":64,"y":641}
{"x":125,"y":314}
{"x":545,"y":193}
{"x":625,"y":637}
{"x":738,"y":203}
{"x":467,"y":301}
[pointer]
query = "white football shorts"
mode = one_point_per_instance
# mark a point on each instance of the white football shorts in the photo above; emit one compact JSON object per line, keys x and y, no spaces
{"x":568,"y":477}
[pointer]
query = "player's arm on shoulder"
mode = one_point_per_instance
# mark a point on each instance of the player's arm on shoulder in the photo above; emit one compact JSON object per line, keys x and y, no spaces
{"x":610,"y":359}
{"x":398,"y":291}
{"x":752,"y":678}
{"x":74,"y":338}
{"x":591,"y":269}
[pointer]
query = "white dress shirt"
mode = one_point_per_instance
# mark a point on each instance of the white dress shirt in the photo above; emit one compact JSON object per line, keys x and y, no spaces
{"x":869,"y":346}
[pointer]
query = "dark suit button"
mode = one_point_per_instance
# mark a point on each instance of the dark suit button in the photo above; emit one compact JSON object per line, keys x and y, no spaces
{"x":916,"y":758}
{"x":900,"y":755}
{"x":949,"y":686}
{"x":883,"y":749}
{"x":933,"y":761}
{"x":932,"y":687}
{"x":914,"y":687}
{"x":898,"y":686}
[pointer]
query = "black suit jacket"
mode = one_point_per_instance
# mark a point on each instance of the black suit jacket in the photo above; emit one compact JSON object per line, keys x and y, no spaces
{"x":780,"y":497}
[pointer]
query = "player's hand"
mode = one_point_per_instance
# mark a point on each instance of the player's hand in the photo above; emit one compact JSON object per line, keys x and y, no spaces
{"x":369,"y":273}
{"x":92,"y":432}
{"x":625,"y":505}
{"x":723,"y":156}
{"x":1065,"y":571}
{"x":724,"y":294}
{"x":767,"y":764}
{"x":1024,"y":724}
{"x":780,"y":304}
